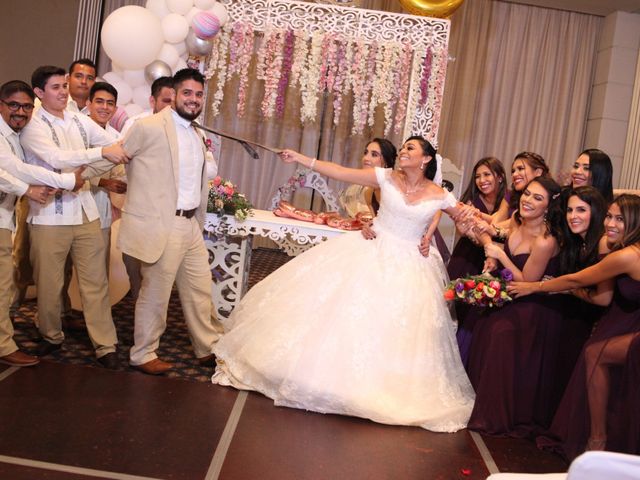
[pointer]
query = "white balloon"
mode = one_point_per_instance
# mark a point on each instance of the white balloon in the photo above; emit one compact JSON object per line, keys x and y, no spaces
{"x":116,"y":68}
{"x":132,"y":37}
{"x":192,"y":13}
{"x":175,"y":28}
{"x":168,"y":54}
{"x":180,"y":65}
{"x":181,"y":48}
{"x":141,"y":95}
{"x":124,"y":92}
{"x":134,"y":78}
{"x":133,"y":109}
{"x":204,"y":4}
{"x":220,"y":11}
{"x":179,"y":6}
{"x":158,"y":7}
{"x":112,"y":77}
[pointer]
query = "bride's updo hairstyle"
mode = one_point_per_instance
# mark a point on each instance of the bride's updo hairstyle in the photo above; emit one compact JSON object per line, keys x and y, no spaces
{"x":388,"y":151}
{"x":428,"y":150}
{"x":554,"y":217}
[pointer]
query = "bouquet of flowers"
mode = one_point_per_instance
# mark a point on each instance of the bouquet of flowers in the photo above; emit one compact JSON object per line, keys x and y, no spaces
{"x":481,"y":290}
{"x":224,"y":199}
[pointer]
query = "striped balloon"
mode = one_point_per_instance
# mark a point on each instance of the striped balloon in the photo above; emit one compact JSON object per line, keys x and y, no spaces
{"x":205,"y":25}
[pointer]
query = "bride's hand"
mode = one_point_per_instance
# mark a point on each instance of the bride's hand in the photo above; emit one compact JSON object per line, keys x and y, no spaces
{"x":291,"y":156}
{"x":367,"y":232}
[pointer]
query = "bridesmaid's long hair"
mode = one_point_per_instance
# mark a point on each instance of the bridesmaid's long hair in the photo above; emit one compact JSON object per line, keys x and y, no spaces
{"x":388,"y":151}
{"x":389,"y":154}
{"x":601,"y":172}
{"x":554,"y":216}
{"x":472,"y":192}
{"x":630,"y":208}
{"x":534,"y":161}
{"x":428,"y":150}
{"x":578,"y":253}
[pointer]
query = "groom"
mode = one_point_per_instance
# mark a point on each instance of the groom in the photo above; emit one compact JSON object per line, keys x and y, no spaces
{"x":162,"y":223}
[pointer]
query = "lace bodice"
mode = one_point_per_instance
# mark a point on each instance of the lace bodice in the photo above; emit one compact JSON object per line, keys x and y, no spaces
{"x":401,"y":219}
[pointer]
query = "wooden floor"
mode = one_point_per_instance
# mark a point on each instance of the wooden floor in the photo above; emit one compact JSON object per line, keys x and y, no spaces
{"x":61,"y":421}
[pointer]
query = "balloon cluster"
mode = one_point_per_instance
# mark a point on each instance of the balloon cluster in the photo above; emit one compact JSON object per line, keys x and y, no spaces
{"x":155,"y":41}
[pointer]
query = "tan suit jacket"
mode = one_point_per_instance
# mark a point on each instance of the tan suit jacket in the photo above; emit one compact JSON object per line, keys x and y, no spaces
{"x":152,"y":193}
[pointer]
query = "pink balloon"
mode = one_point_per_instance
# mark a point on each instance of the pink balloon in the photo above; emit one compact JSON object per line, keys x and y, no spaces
{"x":205,"y":25}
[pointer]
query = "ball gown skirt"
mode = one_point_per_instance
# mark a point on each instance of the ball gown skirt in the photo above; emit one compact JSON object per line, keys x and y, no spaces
{"x":356,"y":327}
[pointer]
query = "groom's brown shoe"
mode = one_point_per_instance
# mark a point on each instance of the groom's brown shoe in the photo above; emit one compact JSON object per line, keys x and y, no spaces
{"x":208,"y":361}
{"x":154,"y":367}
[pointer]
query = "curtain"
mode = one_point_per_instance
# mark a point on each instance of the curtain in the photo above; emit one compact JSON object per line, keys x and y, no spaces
{"x":521,"y":80}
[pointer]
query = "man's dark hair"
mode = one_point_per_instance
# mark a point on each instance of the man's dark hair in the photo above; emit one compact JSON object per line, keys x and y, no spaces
{"x":15,"y":86}
{"x":41,"y":75}
{"x":160,"y":83}
{"x":187,"y":74}
{"x":103,"y":86}
{"x":83,"y":61}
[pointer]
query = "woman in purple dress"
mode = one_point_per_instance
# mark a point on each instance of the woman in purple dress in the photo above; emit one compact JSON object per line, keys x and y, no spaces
{"x":515,"y":349}
{"x":594,"y":412}
{"x":485,"y":192}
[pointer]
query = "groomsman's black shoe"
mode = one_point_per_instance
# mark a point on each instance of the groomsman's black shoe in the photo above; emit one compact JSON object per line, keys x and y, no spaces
{"x":109,"y":361}
{"x":208,"y":361}
{"x":45,"y":348}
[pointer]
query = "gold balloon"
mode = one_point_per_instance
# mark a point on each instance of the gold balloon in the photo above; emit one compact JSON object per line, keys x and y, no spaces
{"x":431,"y":8}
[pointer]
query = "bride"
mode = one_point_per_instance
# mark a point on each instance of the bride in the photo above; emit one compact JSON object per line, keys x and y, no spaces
{"x":359,"y":327}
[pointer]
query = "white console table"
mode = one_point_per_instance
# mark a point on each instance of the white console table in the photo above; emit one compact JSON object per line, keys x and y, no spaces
{"x":229,"y":244}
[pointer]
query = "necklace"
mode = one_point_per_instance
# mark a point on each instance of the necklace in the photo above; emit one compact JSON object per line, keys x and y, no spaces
{"x":415,"y":189}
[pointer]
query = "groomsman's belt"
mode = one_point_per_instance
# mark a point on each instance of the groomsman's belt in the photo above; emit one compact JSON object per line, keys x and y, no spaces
{"x":186,"y":213}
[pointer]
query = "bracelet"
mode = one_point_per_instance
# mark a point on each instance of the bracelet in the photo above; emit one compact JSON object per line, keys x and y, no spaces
{"x":312,"y":164}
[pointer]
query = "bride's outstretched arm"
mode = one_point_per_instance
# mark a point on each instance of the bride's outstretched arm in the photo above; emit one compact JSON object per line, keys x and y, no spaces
{"x":365,"y":176}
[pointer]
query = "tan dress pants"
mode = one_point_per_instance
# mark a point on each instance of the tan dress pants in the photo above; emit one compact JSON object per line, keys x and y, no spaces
{"x":23,"y":273}
{"x":50,"y":246}
{"x":185,"y":260}
{"x":7,"y":345}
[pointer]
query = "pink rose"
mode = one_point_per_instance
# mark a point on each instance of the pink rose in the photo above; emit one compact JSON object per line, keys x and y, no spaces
{"x":228,"y":190}
{"x":217,"y":181}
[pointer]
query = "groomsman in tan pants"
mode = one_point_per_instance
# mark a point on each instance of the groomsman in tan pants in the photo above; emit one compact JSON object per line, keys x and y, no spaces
{"x":16,"y":107}
{"x":68,"y":223}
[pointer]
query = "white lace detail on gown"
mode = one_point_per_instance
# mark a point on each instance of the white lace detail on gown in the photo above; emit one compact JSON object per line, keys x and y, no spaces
{"x":356,"y":327}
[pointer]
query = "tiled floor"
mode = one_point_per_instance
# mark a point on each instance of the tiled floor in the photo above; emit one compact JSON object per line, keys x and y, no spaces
{"x":127,"y":425}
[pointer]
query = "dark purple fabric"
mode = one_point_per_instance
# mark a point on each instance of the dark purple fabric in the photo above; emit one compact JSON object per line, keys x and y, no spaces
{"x":467,"y":259}
{"x":569,"y":431}
{"x":516,"y":352}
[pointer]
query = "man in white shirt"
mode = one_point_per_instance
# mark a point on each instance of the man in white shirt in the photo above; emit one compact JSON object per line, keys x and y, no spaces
{"x":61,"y":140}
{"x":16,"y":106}
{"x":162,"y":223}
{"x":162,"y":95}
{"x":103,"y":98}
{"x":82,"y":76}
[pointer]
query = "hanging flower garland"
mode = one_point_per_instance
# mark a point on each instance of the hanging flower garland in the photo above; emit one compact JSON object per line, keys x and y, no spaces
{"x":368,"y":85}
{"x":358,"y":78}
{"x":300,"y":53}
{"x":272,"y":72}
{"x":309,"y":79}
{"x":341,"y":86}
{"x":243,"y":63}
{"x":287,"y":62}
{"x":223,"y":49}
{"x":375,"y":74}
{"x":424,"y":79}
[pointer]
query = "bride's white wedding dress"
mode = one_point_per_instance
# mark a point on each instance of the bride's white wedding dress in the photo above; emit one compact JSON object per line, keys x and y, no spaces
{"x":356,"y":327}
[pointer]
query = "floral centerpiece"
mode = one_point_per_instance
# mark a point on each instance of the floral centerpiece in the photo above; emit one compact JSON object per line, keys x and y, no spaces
{"x":480,"y":290}
{"x":224,"y":199}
